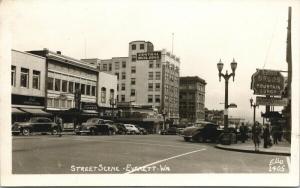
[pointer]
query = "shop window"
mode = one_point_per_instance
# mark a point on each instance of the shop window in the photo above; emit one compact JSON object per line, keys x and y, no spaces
{"x":13,"y":75}
{"x":132,"y":92}
{"x":24,"y":77}
{"x":57,"y":85}
{"x":103,"y":95}
{"x":71,"y":87}
{"x":93,"y":90}
{"x":132,"y":81}
{"x":133,"y":70}
{"x":64,"y":86}
{"x":88,"y":90}
{"x":50,"y":83}
{"x":36,"y":79}
{"x":150,"y":86}
{"x":83,"y":89}
{"x":150,"y":98}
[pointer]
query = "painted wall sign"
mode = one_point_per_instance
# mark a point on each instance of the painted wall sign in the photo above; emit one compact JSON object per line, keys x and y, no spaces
{"x":271,"y":101}
{"x":155,"y":55}
{"x":267,"y":82}
{"x":27,"y":100}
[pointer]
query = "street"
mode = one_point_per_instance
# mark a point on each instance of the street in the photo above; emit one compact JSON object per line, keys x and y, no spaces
{"x":47,"y":154}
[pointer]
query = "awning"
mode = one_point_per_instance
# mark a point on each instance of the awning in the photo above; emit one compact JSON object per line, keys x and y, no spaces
{"x":89,"y":112}
{"x":35,"y":111}
{"x":17,"y":111}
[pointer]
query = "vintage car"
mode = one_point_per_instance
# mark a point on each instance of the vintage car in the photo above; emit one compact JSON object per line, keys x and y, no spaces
{"x":131,"y":129}
{"x":142,"y":130}
{"x":202,"y":132}
{"x":35,"y":125}
{"x":169,"y":131}
{"x":121,"y":128}
{"x":94,"y":126}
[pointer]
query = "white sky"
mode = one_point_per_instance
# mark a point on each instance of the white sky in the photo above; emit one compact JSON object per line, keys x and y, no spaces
{"x":253,"y":32}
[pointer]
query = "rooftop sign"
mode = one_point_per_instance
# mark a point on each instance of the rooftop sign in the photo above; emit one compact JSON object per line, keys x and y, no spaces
{"x":155,"y":55}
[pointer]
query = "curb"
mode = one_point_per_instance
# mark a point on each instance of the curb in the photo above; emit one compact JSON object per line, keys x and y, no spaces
{"x":252,"y":151}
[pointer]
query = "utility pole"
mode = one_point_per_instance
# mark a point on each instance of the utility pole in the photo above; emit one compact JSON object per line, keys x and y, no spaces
{"x":289,"y":62}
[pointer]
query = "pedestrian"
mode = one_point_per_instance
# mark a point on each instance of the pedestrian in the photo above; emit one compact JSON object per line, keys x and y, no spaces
{"x":243,"y":132}
{"x":266,"y":136}
{"x":256,"y":131}
{"x":59,"y":123}
{"x":275,"y":134}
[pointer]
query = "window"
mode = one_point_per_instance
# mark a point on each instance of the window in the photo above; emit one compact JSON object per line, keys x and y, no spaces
{"x":133,"y":58}
{"x":117,"y":65}
{"x":50,"y":83}
{"x":117,"y":74}
{"x":103,"y":95}
{"x":49,"y":102}
{"x":122,"y":98}
{"x":71,"y":87}
{"x":157,"y":75}
{"x":133,"y":70}
{"x":69,"y":103}
{"x":63,"y":103}
{"x":56,"y":103}
{"x":157,"y":65}
{"x":142,"y":46}
{"x":150,"y":87}
{"x":123,"y":87}
{"x":104,"y":67}
{"x":24,"y":77}
{"x":157,"y":86}
{"x":150,"y":75}
{"x":82,"y":89}
{"x":64,"y":86}
{"x":123,"y":75}
{"x":132,"y":92}
{"x":110,"y":67}
{"x":150,"y":98}
{"x":13,"y":75}
{"x":57,"y":85}
{"x":36,"y":79}
{"x":133,"y":47}
{"x":88,"y":90}
{"x":157,"y":98}
{"x":117,"y":87}
{"x":77,"y":86}
{"x":112,"y":94}
{"x":93,"y":90}
{"x":132,"y":81}
{"x":123,"y":64}
{"x":150,"y":65}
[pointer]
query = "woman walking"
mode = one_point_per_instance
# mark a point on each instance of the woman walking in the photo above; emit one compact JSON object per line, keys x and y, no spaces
{"x":256,"y":131}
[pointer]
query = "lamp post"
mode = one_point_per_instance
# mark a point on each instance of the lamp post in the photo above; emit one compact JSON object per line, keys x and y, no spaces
{"x":164,"y":116}
{"x":112,"y":103}
{"x":226,"y":78}
{"x":254,"y":105}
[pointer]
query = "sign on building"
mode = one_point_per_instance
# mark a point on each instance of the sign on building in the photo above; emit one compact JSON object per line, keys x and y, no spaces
{"x":271,"y":101}
{"x":155,"y":55}
{"x":267,"y":82}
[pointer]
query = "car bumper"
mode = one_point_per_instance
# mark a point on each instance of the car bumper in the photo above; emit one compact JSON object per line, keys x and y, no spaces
{"x":16,"y":131}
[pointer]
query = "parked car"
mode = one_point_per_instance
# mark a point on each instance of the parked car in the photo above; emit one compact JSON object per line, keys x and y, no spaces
{"x":35,"y":124}
{"x":131,"y":129}
{"x":202,"y":132}
{"x":94,"y":126}
{"x":180,"y":131}
{"x":121,"y":128}
{"x":169,"y":131}
{"x":142,"y":130}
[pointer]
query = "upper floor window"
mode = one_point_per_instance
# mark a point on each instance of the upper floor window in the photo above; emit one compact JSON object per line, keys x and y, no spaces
{"x":104,"y":67}
{"x":50,"y":83}
{"x":132,"y":92}
{"x":24,"y":77}
{"x":132,"y":81}
{"x":157,"y":98}
{"x":93,"y":90}
{"x":122,"y":98}
{"x":133,"y":58}
{"x":150,"y":65}
{"x":150,"y":87}
{"x":150,"y":98}
{"x":123,"y":75}
{"x":103,"y":95}
{"x":123,"y":64}
{"x":123,"y":87}
{"x":64,"y":86}
{"x":133,"y":70}
{"x":109,"y":67}
{"x":13,"y":75}
{"x":157,"y":65}
{"x":71,"y":87}
{"x":77,"y":86}
{"x":88,"y":90}
{"x":111,"y":94}
{"x":157,"y":86}
{"x":57,"y":85}
{"x":117,"y":65}
{"x":142,"y":46}
{"x":157,"y":75}
{"x":83,"y":89}
{"x":150,"y":76}
{"x":117,"y":74}
{"x":133,"y":47}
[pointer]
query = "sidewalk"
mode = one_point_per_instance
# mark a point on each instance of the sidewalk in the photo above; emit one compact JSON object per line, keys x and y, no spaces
{"x":282,"y":148}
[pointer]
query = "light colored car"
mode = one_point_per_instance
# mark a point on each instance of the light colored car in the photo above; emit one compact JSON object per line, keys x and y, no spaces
{"x":131,"y":129}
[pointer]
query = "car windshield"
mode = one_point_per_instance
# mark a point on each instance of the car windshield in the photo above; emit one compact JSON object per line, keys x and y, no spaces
{"x":92,"y":120}
{"x":200,"y":125}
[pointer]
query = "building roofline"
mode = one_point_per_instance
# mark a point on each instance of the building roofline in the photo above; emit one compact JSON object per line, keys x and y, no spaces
{"x":197,"y":78}
{"x":28,"y":54}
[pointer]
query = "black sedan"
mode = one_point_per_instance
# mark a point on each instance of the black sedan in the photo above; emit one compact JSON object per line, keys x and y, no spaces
{"x":94,"y":126}
{"x":35,"y":125}
{"x":169,"y":131}
{"x":202,"y":132}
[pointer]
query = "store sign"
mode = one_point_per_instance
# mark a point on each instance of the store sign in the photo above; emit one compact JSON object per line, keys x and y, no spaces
{"x":267,"y":82}
{"x":155,"y":55}
{"x":89,"y":106}
{"x":271,"y":101}
{"x":27,"y":100}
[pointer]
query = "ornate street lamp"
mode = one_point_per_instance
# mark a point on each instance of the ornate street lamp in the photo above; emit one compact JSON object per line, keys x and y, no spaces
{"x":254,"y":105}
{"x":226,"y":78}
{"x":112,"y":103}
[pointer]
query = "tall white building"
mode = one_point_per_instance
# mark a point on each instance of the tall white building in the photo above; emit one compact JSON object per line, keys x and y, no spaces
{"x":146,"y":77}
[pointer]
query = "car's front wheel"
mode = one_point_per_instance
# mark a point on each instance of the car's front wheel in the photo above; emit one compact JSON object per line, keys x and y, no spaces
{"x":198,"y":138}
{"x":187,"y":139}
{"x":55,"y":131}
{"x":25,"y":131}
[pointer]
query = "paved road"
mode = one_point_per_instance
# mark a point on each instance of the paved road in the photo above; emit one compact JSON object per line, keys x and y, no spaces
{"x":46,"y":154}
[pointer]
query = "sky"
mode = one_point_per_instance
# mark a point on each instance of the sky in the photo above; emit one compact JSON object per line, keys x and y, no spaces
{"x":252,"y":32}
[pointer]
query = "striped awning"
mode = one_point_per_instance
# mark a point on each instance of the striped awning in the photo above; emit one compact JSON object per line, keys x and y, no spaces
{"x":17,"y":111}
{"x":36,"y":111}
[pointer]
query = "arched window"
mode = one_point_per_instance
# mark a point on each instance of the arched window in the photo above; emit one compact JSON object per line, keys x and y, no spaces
{"x":103,"y":95}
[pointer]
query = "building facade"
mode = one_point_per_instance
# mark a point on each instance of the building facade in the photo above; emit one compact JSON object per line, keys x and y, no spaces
{"x":28,"y":85}
{"x":146,"y":77}
{"x":191,"y":99}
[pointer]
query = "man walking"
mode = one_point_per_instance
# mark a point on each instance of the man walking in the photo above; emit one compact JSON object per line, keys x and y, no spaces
{"x":256,"y":131}
{"x":266,"y":136}
{"x":59,"y":126}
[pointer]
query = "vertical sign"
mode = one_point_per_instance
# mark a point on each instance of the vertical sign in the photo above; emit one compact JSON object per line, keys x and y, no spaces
{"x":77,"y":98}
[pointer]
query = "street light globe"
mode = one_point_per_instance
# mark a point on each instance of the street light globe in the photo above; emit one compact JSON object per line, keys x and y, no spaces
{"x":233,"y":65}
{"x":251,"y":101}
{"x":220,"y":65}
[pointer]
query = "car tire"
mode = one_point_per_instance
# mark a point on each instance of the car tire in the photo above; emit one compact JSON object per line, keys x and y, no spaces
{"x":25,"y":131}
{"x":92,"y":132}
{"x":78,"y":133}
{"x":110,"y":132}
{"x":54,"y":131}
{"x":187,"y":139}
{"x":199,"y":139}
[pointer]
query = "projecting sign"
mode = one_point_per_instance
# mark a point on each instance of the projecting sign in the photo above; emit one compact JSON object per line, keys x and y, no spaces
{"x":271,"y":101}
{"x":155,"y":55}
{"x":267,"y":82}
